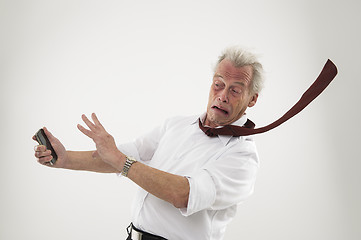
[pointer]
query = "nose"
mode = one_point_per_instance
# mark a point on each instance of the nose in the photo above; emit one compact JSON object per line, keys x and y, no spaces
{"x":223,"y":96}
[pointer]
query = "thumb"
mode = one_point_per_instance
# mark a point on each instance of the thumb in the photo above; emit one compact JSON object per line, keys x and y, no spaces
{"x":49,"y":135}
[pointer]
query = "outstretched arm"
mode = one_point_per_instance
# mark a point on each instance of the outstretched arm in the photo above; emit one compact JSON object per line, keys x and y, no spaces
{"x":108,"y":159}
{"x":169,"y":187}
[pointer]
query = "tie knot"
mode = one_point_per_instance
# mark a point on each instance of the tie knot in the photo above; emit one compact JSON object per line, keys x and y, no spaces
{"x":209,"y":132}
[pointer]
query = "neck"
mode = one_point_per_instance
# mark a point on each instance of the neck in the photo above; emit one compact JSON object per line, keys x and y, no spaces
{"x":212,"y":124}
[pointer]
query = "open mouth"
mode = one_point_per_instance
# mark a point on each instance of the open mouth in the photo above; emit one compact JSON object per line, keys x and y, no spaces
{"x":220,"y":110}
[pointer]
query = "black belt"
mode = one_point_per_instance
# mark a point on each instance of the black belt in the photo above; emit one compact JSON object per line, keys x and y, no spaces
{"x":137,"y":234}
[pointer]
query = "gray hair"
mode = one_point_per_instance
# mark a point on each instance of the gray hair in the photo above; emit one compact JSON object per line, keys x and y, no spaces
{"x":241,"y":57}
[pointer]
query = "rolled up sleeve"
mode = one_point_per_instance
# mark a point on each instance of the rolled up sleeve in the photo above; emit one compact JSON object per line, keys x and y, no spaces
{"x":202,"y":193}
{"x":144,"y":146}
{"x":227,"y":181}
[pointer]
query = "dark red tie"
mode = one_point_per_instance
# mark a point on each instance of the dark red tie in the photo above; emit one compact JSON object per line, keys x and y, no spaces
{"x":327,"y":74}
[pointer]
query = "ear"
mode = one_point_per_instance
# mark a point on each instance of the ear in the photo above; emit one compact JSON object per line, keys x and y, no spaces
{"x":253,"y":100}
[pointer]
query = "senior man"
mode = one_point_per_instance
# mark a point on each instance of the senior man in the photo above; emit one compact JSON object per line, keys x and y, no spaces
{"x":189,"y":183}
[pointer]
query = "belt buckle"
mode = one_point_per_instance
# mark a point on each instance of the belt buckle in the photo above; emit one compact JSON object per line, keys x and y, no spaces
{"x":136,"y":235}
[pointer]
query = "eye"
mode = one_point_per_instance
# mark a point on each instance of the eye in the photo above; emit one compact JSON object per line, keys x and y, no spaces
{"x":236,"y":90}
{"x":217,"y":85}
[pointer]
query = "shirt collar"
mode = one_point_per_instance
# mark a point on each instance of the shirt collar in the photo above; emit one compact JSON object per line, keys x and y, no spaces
{"x":224,"y":139}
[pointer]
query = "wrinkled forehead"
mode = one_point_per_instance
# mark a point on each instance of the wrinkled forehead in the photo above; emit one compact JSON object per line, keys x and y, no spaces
{"x":227,"y":70}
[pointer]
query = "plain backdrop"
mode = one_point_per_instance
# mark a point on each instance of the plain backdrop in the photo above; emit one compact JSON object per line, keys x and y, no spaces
{"x":136,"y":63}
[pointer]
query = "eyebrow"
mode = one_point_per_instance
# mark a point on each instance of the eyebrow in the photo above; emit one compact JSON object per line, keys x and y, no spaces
{"x":217,"y":75}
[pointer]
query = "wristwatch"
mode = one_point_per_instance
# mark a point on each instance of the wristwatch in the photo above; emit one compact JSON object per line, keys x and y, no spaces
{"x":128,"y":163}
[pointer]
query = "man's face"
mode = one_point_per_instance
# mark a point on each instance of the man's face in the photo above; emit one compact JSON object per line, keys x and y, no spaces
{"x":230,"y":94}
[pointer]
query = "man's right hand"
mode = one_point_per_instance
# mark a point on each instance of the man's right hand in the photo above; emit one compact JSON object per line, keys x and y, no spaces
{"x":44,"y":155}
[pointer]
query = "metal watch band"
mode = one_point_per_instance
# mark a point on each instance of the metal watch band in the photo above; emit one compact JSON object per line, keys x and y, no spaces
{"x":128,"y":163}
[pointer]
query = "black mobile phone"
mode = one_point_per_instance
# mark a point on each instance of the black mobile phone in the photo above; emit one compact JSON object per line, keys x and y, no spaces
{"x":43,"y":140}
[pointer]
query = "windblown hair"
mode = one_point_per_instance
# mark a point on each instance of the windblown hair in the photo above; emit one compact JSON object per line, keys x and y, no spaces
{"x":241,"y":57}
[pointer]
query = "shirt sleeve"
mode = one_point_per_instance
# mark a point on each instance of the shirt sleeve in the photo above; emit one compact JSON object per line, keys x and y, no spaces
{"x":227,"y":181}
{"x":143,"y":148}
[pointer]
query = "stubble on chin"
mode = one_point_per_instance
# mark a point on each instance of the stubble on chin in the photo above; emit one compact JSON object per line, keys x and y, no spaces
{"x":212,"y":121}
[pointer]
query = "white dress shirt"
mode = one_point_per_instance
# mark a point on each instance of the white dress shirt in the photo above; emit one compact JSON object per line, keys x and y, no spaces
{"x":221,"y":172}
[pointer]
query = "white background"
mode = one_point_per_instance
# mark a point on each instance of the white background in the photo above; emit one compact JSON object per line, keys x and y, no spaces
{"x":136,"y":63}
